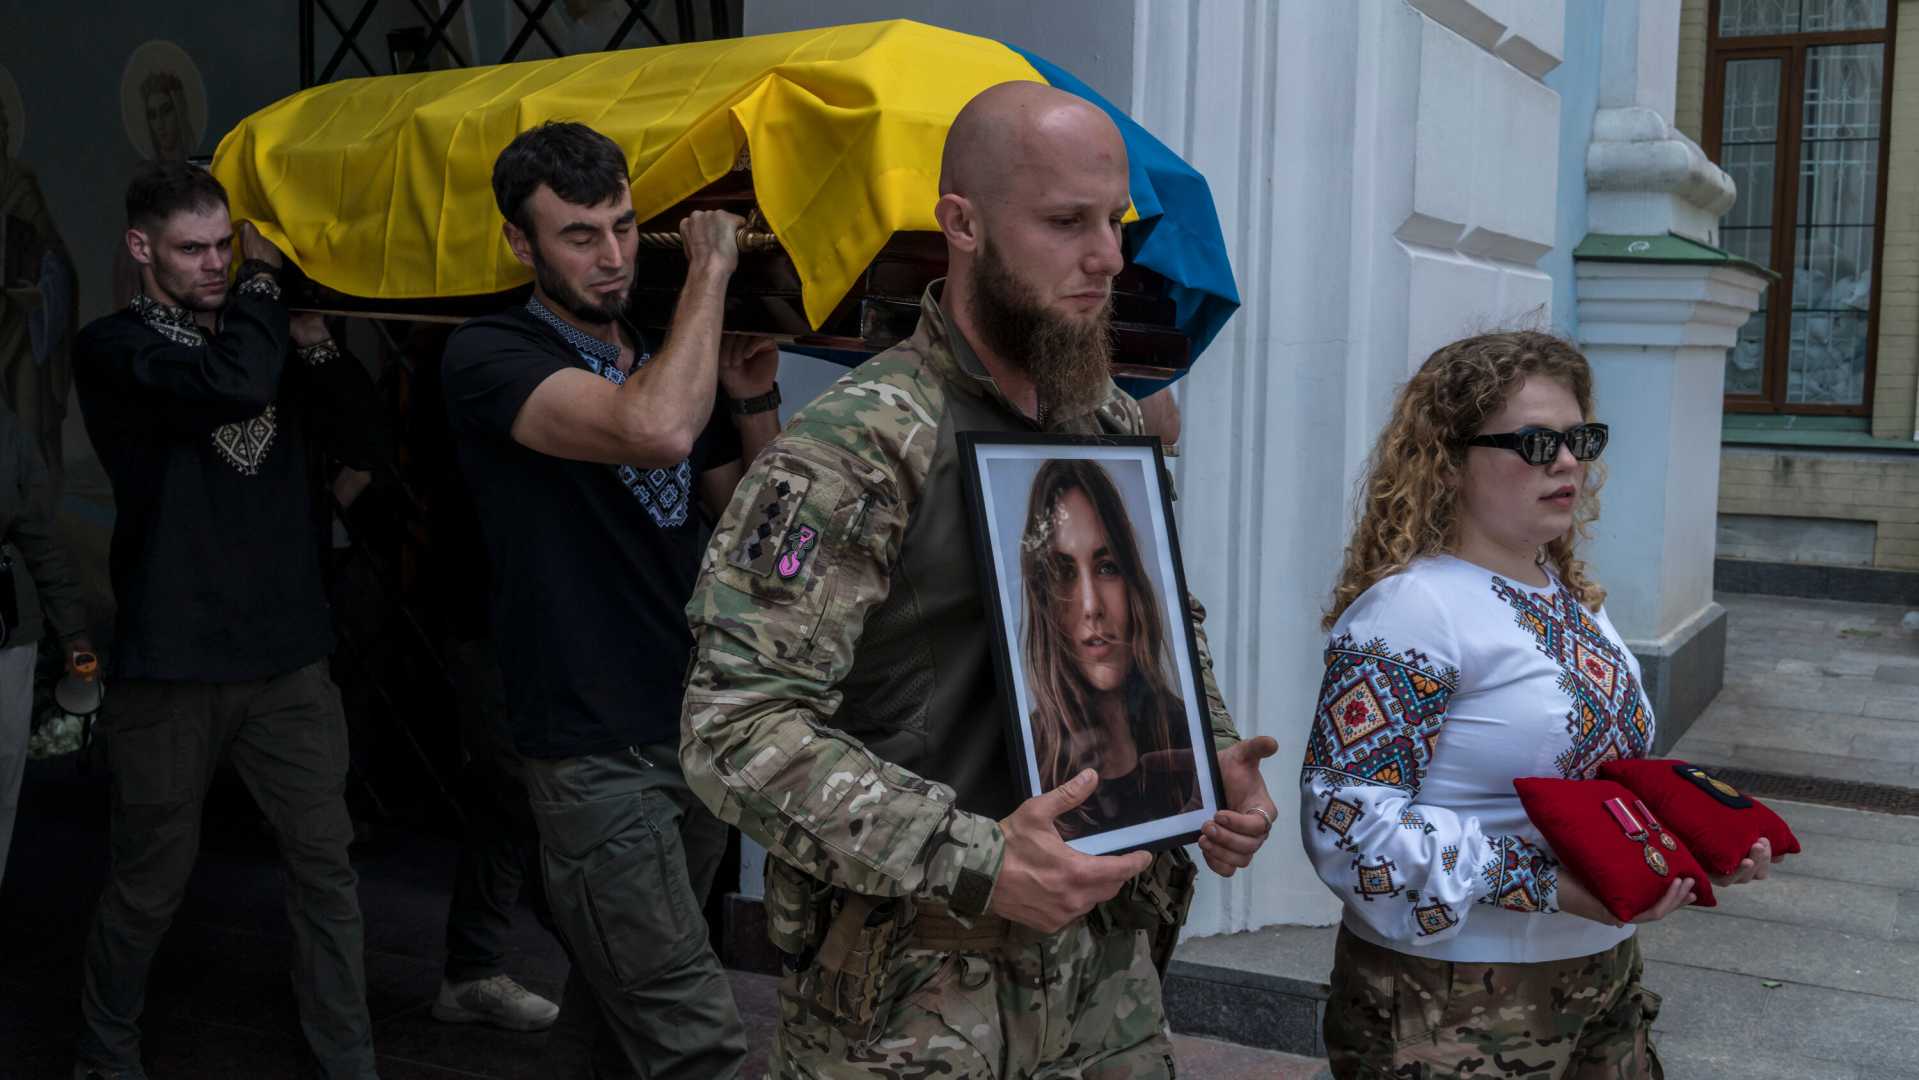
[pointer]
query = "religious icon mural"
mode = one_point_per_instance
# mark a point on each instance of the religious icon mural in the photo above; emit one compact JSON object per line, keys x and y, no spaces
{"x":163,"y":102}
{"x":39,"y":302}
{"x":163,"y":105}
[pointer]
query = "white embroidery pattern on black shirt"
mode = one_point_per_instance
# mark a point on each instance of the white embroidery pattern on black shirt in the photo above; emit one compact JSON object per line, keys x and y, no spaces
{"x":244,"y":445}
{"x":664,"y":492}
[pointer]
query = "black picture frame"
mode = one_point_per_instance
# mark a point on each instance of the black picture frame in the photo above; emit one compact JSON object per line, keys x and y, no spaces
{"x":1001,"y":470}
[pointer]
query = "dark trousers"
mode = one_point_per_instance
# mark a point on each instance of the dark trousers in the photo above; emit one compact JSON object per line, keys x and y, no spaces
{"x":629,"y":854}
{"x":500,"y":851}
{"x":287,"y":739}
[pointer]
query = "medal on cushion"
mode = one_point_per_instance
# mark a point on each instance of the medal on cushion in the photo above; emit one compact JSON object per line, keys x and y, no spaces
{"x":1664,"y":836}
{"x":1637,"y":833}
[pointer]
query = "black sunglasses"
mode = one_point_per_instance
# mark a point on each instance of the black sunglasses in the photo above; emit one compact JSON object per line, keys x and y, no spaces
{"x":1539,"y":445}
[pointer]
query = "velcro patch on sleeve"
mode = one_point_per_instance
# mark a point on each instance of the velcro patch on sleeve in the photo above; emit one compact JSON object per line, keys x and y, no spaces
{"x":770,"y":540}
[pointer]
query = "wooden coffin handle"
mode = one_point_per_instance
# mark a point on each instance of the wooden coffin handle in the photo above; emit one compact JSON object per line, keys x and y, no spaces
{"x":751,"y":241}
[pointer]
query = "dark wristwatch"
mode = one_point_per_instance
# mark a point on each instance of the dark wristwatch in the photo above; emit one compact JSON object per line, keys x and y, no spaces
{"x":766,"y":402}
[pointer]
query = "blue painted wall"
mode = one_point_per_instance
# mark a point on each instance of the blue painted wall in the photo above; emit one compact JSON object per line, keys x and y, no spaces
{"x":1576,"y":80}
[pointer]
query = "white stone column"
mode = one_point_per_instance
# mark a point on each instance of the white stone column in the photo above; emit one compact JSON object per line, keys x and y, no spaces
{"x":1657,"y":335}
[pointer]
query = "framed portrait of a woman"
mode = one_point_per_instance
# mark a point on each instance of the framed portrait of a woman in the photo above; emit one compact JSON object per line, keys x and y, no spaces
{"x":1097,"y":658}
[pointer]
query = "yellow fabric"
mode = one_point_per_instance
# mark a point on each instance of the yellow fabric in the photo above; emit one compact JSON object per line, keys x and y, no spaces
{"x":382,"y":187}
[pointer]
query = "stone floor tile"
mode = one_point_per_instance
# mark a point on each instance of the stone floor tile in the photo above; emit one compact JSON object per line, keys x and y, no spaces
{"x":1905,"y":923}
{"x":1844,"y":858}
{"x":1808,"y":698}
{"x":1864,"y":1029}
{"x":1821,"y":959}
{"x":1688,"y":1057}
{"x":1901,"y":829}
{"x":1700,"y":1000}
{"x":1793,"y":899}
{"x":1831,"y":766}
{"x":1886,"y":746}
{"x":1701,"y":750}
{"x":1788,"y":729}
{"x":1892,"y":709}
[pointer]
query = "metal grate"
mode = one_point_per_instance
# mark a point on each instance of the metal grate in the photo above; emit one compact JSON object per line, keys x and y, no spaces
{"x":682,"y":24}
{"x":1852,"y":794}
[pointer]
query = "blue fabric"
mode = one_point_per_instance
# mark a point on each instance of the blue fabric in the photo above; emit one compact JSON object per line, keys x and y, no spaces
{"x":1178,"y":234}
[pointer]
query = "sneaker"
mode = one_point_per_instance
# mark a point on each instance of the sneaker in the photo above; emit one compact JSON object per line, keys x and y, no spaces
{"x":498,"y":1001}
{"x":84,"y":1071}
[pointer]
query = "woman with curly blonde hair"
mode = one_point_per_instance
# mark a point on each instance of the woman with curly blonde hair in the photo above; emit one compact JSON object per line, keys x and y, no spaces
{"x":1469,"y":647}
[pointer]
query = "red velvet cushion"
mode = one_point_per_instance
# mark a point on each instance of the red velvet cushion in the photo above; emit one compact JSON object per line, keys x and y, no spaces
{"x":1719,"y":823}
{"x":1572,"y":816}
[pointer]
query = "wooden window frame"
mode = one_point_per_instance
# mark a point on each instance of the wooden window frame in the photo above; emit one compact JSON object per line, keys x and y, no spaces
{"x":1791,"y":50}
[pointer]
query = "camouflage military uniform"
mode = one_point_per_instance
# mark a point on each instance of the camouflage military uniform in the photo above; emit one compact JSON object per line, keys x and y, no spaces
{"x":842,"y":710}
{"x":1396,"y":1016}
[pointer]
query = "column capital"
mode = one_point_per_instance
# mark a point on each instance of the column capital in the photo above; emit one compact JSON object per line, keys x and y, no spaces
{"x":1669,"y":305}
{"x":1644,"y":175}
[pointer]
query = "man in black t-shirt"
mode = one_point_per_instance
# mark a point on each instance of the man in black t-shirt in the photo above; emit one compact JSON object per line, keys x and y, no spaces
{"x":591,"y":460}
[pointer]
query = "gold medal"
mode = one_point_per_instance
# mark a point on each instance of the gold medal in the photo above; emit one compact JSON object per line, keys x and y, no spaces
{"x":1638,"y":834}
{"x":1665,"y":837}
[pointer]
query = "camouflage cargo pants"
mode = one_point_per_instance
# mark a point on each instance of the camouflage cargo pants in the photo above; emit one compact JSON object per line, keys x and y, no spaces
{"x":1073,"y":1006}
{"x":1398,"y":1017}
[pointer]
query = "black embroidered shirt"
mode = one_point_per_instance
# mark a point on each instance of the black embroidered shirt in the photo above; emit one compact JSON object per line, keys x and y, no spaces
{"x":204,"y":436}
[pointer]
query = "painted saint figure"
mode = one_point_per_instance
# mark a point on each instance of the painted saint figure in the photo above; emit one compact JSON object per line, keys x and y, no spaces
{"x":1096,"y":649}
{"x":38,"y":308}
{"x":168,"y":121}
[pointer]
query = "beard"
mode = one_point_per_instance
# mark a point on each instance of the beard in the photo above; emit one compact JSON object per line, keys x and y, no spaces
{"x":1069,"y":360}
{"x":574,"y":302}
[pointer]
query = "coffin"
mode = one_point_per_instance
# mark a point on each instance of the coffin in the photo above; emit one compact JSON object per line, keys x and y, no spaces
{"x":828,"y":140}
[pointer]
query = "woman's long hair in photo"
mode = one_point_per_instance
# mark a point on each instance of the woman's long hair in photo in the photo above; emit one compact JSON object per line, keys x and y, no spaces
{"x":1408,"y":497}
{"x":1064,"y":727}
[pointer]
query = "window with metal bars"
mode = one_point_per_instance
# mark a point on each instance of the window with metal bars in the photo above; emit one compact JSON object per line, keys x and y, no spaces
{"x":1797,"y":112}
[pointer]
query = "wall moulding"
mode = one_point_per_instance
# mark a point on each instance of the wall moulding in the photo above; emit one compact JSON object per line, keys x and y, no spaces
{"x":1634,"y":149}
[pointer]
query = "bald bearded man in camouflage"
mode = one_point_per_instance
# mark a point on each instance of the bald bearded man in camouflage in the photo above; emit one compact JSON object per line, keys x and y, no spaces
{"x":841,"y":708}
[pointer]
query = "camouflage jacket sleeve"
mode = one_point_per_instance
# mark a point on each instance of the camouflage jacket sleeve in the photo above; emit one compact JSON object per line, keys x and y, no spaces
{"x":803,"y":553}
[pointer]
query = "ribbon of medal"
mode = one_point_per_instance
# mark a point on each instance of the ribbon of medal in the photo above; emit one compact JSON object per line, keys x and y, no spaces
{"x":1665,"y":837}
{"x":1638,"y":834}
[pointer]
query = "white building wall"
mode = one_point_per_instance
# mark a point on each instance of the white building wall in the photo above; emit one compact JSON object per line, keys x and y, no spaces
{"x":1385,"y":172}
{"x":1386,"y":176}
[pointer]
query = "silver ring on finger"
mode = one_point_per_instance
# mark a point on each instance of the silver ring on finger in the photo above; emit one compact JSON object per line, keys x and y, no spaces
{"x":1262,"y":813}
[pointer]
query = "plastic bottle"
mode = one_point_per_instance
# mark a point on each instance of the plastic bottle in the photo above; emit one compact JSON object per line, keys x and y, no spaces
{"x":80,"y":692}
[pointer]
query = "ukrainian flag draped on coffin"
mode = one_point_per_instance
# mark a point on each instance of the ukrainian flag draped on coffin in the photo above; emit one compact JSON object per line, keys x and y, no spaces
{"x":381,"y":187}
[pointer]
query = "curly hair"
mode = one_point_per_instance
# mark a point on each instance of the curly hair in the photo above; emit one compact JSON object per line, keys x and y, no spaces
{"x":1408,"y":495}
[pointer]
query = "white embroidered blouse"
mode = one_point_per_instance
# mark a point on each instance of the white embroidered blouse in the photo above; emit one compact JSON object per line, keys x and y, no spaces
{"x":1443,"y":683}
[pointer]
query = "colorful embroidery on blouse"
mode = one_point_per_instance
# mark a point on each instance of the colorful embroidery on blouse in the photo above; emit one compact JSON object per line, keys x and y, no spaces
{"x":1379,"y":714}
{"x":1608,"y":719}
{"x":1375,"y":880}
{"x":1410,"y":819}
{"x":1434,"y":918}
{"x":1520,"y":877}
{"x":1338,"y":818}
{"x":1449,"y":857}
